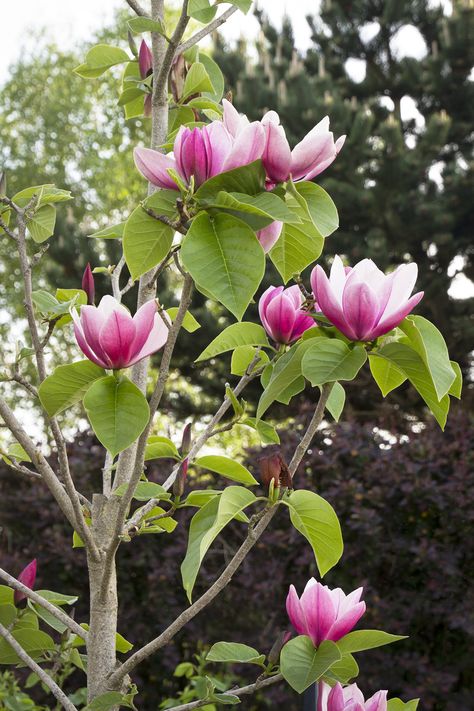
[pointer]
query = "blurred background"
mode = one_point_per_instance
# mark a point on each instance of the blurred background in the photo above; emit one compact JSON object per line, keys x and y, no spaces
{"x":397,"y":77}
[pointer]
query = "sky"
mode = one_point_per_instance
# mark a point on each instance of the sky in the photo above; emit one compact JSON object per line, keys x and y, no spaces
{"x":69,"y":22}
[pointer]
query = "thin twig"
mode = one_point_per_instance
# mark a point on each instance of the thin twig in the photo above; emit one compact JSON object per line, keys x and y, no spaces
{"x":207,"y":30}
{"x":115,"y":278}
{"x":7,"y":230}
{"x":52,"y":609}
{"x":242,"y":691}
{"x":137,"y":8}
{"x":43,"y":676}
{"x":21,"y":469}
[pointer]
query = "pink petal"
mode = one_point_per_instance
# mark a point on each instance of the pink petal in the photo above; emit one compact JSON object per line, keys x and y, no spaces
{"x":269,"y":235}
{"x":336,"y":701}
{"x":248,"y":146}
{"x":220,"y":144}
{"x":294,"y":293}
{"x":319,"y":611}
{"x":308,"y":155}
{"x":302,"y":323}
{"x":116,"y":338}
{"x":27,"y":577}
{"x":91,"y":322}
{"x":328,"y":302}
{"x":353,"y":693}
{"x":281,"y":316}
{"x":88,"y":352}
{"x":265,"y":299}
{"x":323,"y":693}
{"x":403,"y":281}
{"x":156,"y":340}
{"x":339,"y":143}
{"x":233,"y":121}
{"x":154,"y":166}
{"x":360,"y":307}
{"x":270,"y":117}
{"x":277,"y":153}
{"x":343,"y":625}
{"x":295,"y":611}
{"x":377,"y":702}
{"x":350,"y":600}
{"x":192,"y":154}
{"x":145,"y":60}
{"x":143,"y":320}
{"x":389,"y":322}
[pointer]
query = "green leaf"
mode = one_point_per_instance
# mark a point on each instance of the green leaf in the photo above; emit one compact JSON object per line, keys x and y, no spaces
{"x":316,"y":520}
{"x":200,"y":497}
{"x":57,"y":598}
{"x":46,"y":194}
{"x":146,"y":24}
{"x":197,"y":80}
{"x":118,"y":412}
{"x":131,"y":74}
{"x":121,"y":644}
{"x":361,"y":640}
{"x":226,"y":699}
{"x":243,"y":356}
{"x":321,"y":207}
{"x":266,"y":431}
{"x":206,"y":525}
{"x":147,"y":241}
{"x":328,"y":360}
{"x":6,"y":595}
{"x":234,"y":652}
{"x":412,"y":365}
{"x":302,"y":664}
{"x":299,"y":245}
{"x":190,"y":324}
{"x":179,"y":117}
{"x":243,"y":5}
{"x":201,"y":10}
{"x":99,"y":59}
{"x":16,"y":451}
{"x":245,"y":333}
{"x":399,"y":705}
{"x":106,"y":701}
{"x":428,"y":342}
{"x":456,"y":388}
{"x":216,"y":77}
{"x":34,"y":642}
{"x":248,"y":179}
{"x":344,"y":670}
{"x":67,"y":385}
{"x":336,"y":401}
{"x":7,"y":614}
{"x":144,"y":491}
{"x":41,"y":224}
{"x":112,"y":232}
{"x":226,"y":467}
{"x":224,"y":255}
{"x":160,"y":448}
{"x":256,"y":210}
{"x":386,"y":374}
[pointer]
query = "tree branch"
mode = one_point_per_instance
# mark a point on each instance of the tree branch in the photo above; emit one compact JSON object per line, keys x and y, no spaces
{"x":207,"y":30}
{"x":226,"y":576}
{"x":44,"y":676}
{"x":52,"y":609}
{"x":136,"y":7}
{"x":242,"y":691}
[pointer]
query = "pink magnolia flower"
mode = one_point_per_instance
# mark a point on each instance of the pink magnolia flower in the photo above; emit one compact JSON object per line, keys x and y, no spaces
{"x":201,"y":152}
{"x":322,"y":613}
{"x":349,"y":698}
{"x":88,"y":284}
{"x":281,"y":314}
{"x":109,"y":336}
{"x":363,"y":302}
{"x":269,"y":235}
{"x":308,"y":158}
{"x":27,"y":577}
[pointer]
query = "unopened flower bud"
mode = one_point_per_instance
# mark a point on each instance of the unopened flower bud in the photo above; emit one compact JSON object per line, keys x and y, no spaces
{"x":88,"y":284}
{"x":274,"y":468}
{"x":186,"y":440}
{"x":281,"y":640}
{"x":145,"y":60}
{"x":27,"y":577}
{"x":180,"y":481}
{"x":178,"y":77}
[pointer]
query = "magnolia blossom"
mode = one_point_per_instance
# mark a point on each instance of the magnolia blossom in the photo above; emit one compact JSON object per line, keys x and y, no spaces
{"x":349,"y":698}
{"x":27,"y":577}
{"x":321,"y":613}
{"x":269,"y":235}
{"x":145,"y":66}
{"x":109,"y":336}
{"x":201,"y":153}
{"x":281,"y":313}
{"x":363,"y":302}
{"x":308,"y":158}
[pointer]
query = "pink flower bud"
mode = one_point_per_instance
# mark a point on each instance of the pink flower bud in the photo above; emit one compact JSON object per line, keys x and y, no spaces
{"x":321,"y":613}
{"x":363,"y":302}
{"x":274,"y":468}
{"x":180,"y":481}
{"x":145,"y":60}
{"x":281,"y":314}
{"x":88,"y":284}
{"x":27,"y":577}
{"x":186,"y":440}
{"x":348,"y":698}
{"x":109,"y":336}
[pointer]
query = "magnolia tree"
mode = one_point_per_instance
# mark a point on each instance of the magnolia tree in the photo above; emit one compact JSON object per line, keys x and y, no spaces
{"x":224,"y":196}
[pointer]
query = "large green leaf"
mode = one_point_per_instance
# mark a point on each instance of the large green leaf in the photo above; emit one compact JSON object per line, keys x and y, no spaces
{"x":244,"y":333}
{"x":206,"y":525}
{"x":202,"y":10}
{"x":302,"y":664}
{"x":41,"y":224}
{"x":234,"y":652}
{"x":321,"y":207}
{"x":399,"y":705}
{"x":46,"y":194}
{"x":456,"y":388}
{"x":226,"y":467}
{"x":67,"y":385}
{"x":197,"y":81}
{"x":386,"y":374}
{"x":336,"y":401}
{"x":225,"y":257}
{"x":160,"y":448}
{"x":134,"y":107}
{"x":34,"y":642}
{"x":344,"y":670}
{"x":243,"y":356}
{"x":361,"y":640}
{"x":99,"y":59}
{"x":285,"y":377}
{"x":257,"y":210}
{"x":248,"y":179}
{"x":299,"y":245}
{"x":118,"y":412}
{"x":216,"y":76}
{"x":412,"y":365}
{"x":146,"y":240}
{"x":7,"y":614}
{"x":316,"y":520}
{"x":328,"y":360}
{"x":430,"y":345}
